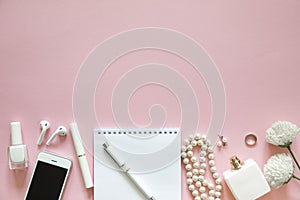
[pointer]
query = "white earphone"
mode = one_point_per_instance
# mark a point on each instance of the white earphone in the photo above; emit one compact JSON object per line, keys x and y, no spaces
{"x":61,"y":130}
{"x":45,"y":125}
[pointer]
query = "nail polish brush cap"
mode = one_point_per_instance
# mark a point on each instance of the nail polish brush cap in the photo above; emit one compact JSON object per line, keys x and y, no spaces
{"x":16,"y":135}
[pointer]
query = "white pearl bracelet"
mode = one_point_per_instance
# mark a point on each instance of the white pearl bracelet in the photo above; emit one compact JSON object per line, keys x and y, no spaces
{"x":195,"y":170}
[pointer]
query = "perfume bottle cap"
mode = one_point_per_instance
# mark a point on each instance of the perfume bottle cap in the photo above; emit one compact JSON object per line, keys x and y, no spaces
{"x":236,"y":163}
{"x":15,"y":130}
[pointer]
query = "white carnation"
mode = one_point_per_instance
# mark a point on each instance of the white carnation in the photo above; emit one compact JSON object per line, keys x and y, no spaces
{"x":282,"y":133}
{"x":279,"y":170}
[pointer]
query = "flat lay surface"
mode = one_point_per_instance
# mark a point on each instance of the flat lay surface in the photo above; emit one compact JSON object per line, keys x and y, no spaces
{"x":254,"y":44}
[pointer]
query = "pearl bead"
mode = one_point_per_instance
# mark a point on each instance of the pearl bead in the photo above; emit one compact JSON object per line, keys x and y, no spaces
{"x":196,"y":165}
{"x":197,"y":136}
{"x":200,"y":143}
{"x":218,"y":181}
{"x":210,"y":186}
{"x":195,"y":193}
{"x":215,"y":175}
{"x":213,"y":169}
{"x":195,"y":178}
{"x":219,"y":143}
{"x":189,"y":147}
{"x":211,"y":192}
{"x":186,"y":161}
{"x":194,"y":143}
{"x":186,"y":142}
{"x":183,"y":148}
{"x":205,"y":183}
{"x":198,"y":184}
{"x":204,"y":147}
{"x":224,"y":139}
{"x":188,"y":167}
{"x":197,"y":198}
{"x":204,"y":138}
{"x":218,"y":188}
{"x":202,"y":159}
{"x":210,"y":149}
{"x":211,"y":163}
{"x":190,"y":153}
{"x":218,"y":194}
{"x":203,"y":166}
{"x":183,"y":155}
{"x":202,"y":189}
{"x":191,"y":137}
{"x":189,"y":174}
{"x":189,"y":181}
{"x":193,"y":159}
{"x":202,"y":171}
{"x":201,"y":178}
{"x":195,"y":171}
{"x":203,"y":196}
{"x":211,"y":198}
{"x":208,"y":142}
{"x":203,"y":153}
{"x":217,"y":199}
{"x":211,"y":156}
{"x":191,"y":187}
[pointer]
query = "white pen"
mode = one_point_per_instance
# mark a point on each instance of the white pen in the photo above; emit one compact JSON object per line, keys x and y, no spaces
{"x":85,"y":171}
{"x":126,"y":171}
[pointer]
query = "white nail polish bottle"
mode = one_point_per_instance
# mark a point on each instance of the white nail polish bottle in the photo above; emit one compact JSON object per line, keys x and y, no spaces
{"x":17,"y":152}
{"x":245,"y":179}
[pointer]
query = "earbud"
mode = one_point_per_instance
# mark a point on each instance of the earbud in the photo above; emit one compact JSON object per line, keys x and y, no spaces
{"x":45,"y":125}
{"x":61,"y":130}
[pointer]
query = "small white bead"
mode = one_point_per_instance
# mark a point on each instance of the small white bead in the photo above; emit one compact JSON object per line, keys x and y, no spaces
{"x":210,"y":186}
{"x":200,"y":143}
{"x":186,"y":142}
{"x":188,"y":167}
{"x":183,"y":155}
{"x":190,"y":153}
{"x":202,"y":153}
{"x":201,"y":178}
{"x":196,"y":165}
{"x":197,"y":136}
{"x":197,"y":198}
{"x":218,"y":194}
{"x":217,"y":199}
{"x":189,"y":174}
{"x":208,"y":142}
{"x":211,"y":198}
{"x":204,"y":138}
{"x":189,"y":181}
{"x":203,"y":165}
{"x":219,"y":143}
{"x":218,"y":181}
{"x":191,"y":137}
{"x":202,"y":171}
{"x":202,"y":189}
{"x":195,"y":171}
{"x":211,"y":156}
{"x":189,"y":147}
{"x":224,"y":139}
{"x":204,"y":147}
{"x":210,"y":149}
{"x":213,"y":169}
{"x":204,"y":183}
{"x":198,"y":184}
{"x":186,"y":161}
{"x":215,"y":175}
{"x":194,"y":143}
{"x":183,"y":148}
{"x":211,"y":163}
{"x":211,"y":193}
{"x":193,"y":159}
{"x":195,"y":193}
{"x":218,"y":188}
{"x":191,"y":187}
{"x":195,"y":178}
{"x":202,"y":159}
{"x":203,"y":196}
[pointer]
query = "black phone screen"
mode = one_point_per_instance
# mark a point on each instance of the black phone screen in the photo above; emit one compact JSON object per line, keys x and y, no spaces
{"x":47,"y":182}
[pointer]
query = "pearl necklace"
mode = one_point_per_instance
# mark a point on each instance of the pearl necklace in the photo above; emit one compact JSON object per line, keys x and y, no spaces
{"x":196,"y":169}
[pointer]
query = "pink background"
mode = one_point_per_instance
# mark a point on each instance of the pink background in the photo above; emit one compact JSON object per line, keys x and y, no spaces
{"x":255,"y":45}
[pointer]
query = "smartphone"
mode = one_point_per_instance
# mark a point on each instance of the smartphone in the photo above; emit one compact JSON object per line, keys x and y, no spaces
{"x":49,"y":177}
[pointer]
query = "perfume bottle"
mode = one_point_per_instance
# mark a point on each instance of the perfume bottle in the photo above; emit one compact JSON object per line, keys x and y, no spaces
{"x":245,"y":179}
{"x":17,"y":152}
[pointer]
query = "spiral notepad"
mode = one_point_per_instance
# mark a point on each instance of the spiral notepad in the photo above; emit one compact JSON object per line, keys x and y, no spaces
{"x":153,"y":156}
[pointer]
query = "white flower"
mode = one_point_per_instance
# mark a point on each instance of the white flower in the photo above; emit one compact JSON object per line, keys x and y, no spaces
{"x":282,"y":133}
{"x":279,"y":170}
